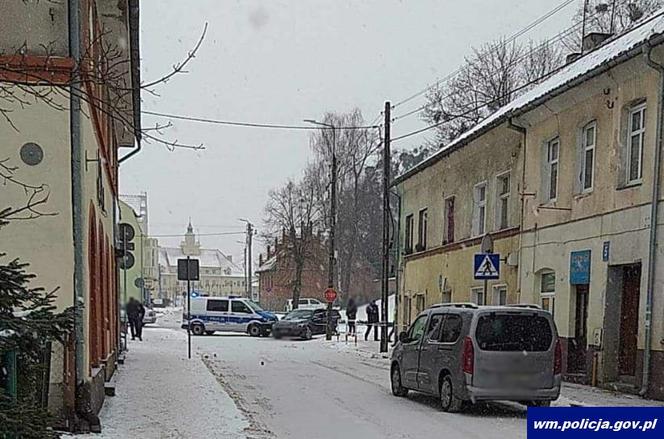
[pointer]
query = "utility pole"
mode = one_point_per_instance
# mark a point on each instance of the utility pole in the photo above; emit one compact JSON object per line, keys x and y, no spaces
{"x":250,"y":234}
{"x":385,"y":280}
{"x":333,"y":221}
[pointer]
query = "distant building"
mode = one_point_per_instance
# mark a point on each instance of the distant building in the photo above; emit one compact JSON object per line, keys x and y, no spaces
{"x":219,"y":275}
{"x":276,"y":272}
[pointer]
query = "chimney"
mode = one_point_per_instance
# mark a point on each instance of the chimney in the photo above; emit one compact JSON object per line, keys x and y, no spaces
{"x":593,"y":40}
{"x":572,"y":57}
{"x":269,"y":253}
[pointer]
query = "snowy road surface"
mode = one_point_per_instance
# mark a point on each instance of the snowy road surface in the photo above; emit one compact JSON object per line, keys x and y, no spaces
{"x":317,"y":389}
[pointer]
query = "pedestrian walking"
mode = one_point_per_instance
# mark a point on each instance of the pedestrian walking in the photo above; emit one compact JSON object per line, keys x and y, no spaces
{"x":351,"y":315}
{"x":135,"y":314}
{"x":372,"y":317}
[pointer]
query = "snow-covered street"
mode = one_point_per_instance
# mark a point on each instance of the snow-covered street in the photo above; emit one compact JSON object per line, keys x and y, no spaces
{"x":236,"y":386}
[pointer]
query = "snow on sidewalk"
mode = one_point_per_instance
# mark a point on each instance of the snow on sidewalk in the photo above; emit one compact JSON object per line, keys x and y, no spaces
{"x":161,"y":394}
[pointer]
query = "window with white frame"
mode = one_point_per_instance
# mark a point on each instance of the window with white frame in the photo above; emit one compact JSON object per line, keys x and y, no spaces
{"x":548,"y":291}
{"x":500,"y":295}
{"x":552,"y":152}
{"x":479,"y":210}
{"x":589,"y":139}
{"x":637,"y":116}
{"x":478,"y":295}
{"x":422,"y":226}
{"x":502,"y":201}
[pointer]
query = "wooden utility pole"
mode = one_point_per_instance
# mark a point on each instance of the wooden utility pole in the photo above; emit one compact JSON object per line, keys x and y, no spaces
{"x":385,"y":278}
{"x":250,"y":234}
{"x":333,"y":226}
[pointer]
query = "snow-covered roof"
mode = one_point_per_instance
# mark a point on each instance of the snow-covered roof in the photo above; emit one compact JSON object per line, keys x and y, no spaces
{"x":617,"y":50}
{"x":209,"y":258}
{"x":267,"y":265}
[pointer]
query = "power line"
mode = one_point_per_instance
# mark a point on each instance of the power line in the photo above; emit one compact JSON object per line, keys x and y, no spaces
{"x":558,"y":37}
{"x":254,"y":124}
{"x":512,"y":38}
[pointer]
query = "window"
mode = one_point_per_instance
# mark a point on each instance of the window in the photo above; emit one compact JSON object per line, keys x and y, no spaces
{"x":240,"y":307}
{"x":512,"y":333}
{"x":502,"y":201}
{"x":449,"y":220}
{"x":303,"y":302}
{"x":217,"y":305}
{"x":500,"y":295}
{"x":588,"y":148}
{"x":451,"y":329}
{"x":479,"y":209}
{"x":552,"y":151}
{"x":409,"y":233}
{"x":419,"y":303}
{"x":422,"y":230}
{"x":417,"y":329}
{"x":635,"y":143}
{"x":478,"y":296}
{"x":433,"y":332}
{"x":548,"y":291}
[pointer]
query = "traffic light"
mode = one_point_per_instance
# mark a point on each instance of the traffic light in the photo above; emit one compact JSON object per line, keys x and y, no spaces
{"x":125,"y":247}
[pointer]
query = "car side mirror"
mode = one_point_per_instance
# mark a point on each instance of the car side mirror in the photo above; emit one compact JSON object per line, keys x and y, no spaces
{"x":403,"y":337}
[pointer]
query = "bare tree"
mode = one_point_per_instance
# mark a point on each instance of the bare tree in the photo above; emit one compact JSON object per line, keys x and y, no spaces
{"x":292,"y":210}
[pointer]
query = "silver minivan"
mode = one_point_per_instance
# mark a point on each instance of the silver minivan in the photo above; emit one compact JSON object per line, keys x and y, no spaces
{"x":467,"y":353}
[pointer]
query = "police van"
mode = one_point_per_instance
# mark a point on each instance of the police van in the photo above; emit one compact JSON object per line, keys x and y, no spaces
{"x":232,"y":314}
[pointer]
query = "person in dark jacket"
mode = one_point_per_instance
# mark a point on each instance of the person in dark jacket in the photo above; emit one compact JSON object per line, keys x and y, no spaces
{"x":135,"y":314}
{"x":351,"y":315}
{"x":372,"y":318}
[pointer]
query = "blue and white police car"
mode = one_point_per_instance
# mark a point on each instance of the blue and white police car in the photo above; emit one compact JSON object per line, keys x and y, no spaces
{"x":232,"y":314}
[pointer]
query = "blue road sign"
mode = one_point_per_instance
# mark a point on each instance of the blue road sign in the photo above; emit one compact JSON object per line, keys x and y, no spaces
{"x":487,"y":266}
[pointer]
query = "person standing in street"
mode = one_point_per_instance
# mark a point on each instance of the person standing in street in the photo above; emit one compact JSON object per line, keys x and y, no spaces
{"x":351,"y":315}
{"x":372,"y":317}
{"x":135,"y":314}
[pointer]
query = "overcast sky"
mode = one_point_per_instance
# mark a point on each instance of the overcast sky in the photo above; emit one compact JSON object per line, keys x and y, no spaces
{"x":282,"y":62}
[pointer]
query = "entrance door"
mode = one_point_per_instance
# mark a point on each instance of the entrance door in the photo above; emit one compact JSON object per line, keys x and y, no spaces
{"x":629,"y":320}
{"x":576,"y":357}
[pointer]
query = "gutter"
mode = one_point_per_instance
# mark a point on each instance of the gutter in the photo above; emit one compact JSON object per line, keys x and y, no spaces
{"x":654,"y":208}
{"x":135,"y":63}
{"x":603,"y":68}
{"x":519,"y":129}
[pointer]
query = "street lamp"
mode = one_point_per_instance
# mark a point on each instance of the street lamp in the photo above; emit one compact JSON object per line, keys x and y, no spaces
{"x":333,"y":220}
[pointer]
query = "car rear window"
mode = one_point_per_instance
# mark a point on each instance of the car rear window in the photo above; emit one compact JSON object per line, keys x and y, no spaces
{"x":513,"y":332}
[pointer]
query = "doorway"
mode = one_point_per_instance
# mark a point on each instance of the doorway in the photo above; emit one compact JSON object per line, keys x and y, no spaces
{"x":629,"y":320}
{"x":576,"y":353}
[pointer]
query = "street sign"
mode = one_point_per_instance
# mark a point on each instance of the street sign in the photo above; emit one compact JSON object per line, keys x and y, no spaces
{"x":486,"y":266}
{"x":606,"y":249}
{"x":188,"y":274}
{"x":330,"y":295}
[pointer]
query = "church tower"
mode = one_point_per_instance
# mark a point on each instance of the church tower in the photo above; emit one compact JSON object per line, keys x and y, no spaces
{"x":190,"y":246}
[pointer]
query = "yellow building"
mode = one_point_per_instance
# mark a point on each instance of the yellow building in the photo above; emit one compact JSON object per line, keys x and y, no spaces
{"x":583,"y":239}
{"x":68,"y":158}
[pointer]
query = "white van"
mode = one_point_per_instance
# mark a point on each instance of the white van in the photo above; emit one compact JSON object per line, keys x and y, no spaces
{"x":233,"y":314}
{"x":305,"y":303}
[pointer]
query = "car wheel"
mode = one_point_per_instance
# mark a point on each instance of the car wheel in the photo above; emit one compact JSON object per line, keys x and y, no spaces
{"x":276,"y":335}
{"x":307,"y":334}
{"x":209,"y":332}
{"x":197,"y":329}
{"x":448,"y":400}
{"x":397,"y":388}
{"x":254,"y":331}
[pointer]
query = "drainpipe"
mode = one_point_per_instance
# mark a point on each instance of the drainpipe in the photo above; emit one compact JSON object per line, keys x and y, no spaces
{"x":77,"y":187}
{"x":652,"y":251}
{"x":519,"y":129}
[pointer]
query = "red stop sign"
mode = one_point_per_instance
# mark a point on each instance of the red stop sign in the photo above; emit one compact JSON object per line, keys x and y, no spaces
{"x":330,"y":295}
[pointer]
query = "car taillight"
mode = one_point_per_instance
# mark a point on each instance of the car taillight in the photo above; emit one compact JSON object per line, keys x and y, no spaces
{"x":468,"y":358}
{"x":558,"y":359}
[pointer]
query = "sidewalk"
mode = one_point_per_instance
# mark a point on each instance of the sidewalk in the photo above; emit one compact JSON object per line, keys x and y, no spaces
{"x":571,"y":394}
{"x":161,"y":394}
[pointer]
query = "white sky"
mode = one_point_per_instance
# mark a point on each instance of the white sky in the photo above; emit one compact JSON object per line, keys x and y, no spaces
{"x":282,"y":61}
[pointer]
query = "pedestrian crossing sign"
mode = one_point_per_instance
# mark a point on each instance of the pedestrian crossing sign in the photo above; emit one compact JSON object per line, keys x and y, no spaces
{"x":487,"y":266}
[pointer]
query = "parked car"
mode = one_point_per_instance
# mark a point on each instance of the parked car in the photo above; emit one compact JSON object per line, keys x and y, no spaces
{"x":150,"y":316}
{"x":233,"y":314}
{"x":304,"y":303}
{"x":304,"y":323}
{"x":464,"y":353}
